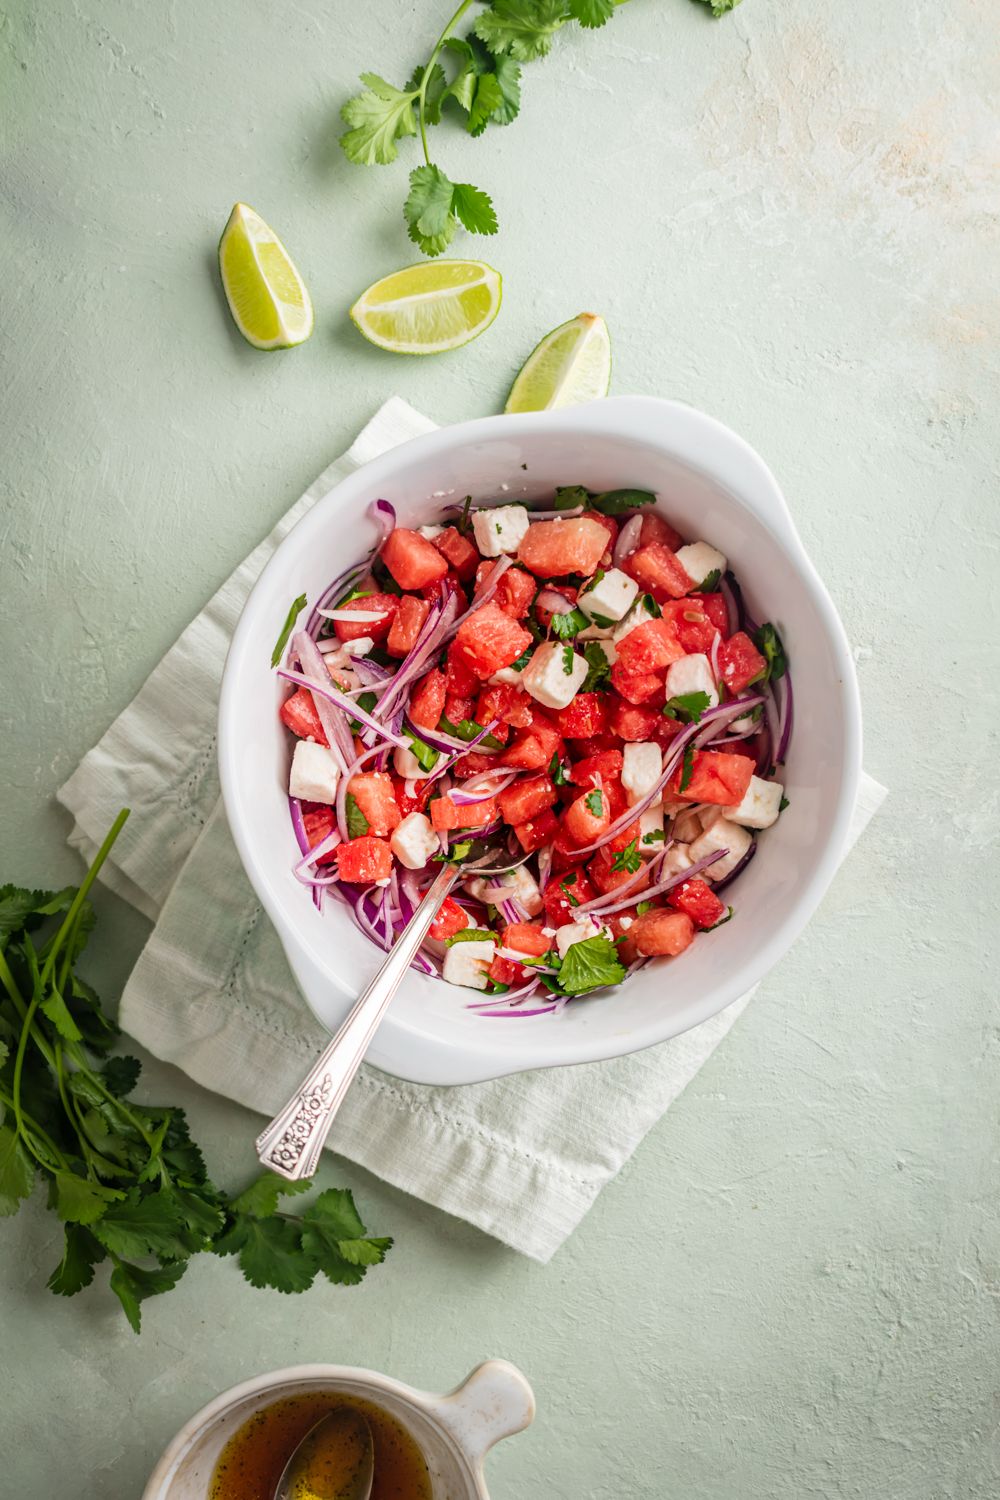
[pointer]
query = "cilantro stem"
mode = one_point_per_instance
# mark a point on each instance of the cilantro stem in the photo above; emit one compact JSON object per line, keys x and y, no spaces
{"x":72,"y":915}
{"x":34,"y":1129}
{"x":428,"y":70}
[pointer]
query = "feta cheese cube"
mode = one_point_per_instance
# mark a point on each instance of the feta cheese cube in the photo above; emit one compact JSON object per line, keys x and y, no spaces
{"x":698,"y":560}
{"x":611,"y":596}
{"x":546,"y":678}
{"x":314,"y":773}
{"x":641,"y":769}
{"x":651,"y":825}
{"x":686,"y":825}
{"x":430,"y":532}
{"x":359,"y":647}
{"x":578,"y":932}
{"x":408,"y":766}
{"x":466,"y":963}
{"x":518,"y":885}
{"x":760,"y":805}
{"x":640,"y":612}
{"x":676,"y":860}
{"x":500,"y":529}
{"x":508,"y":674}
{"x":692,"y":674}
{"x":721,"y":834}
{"x":413,"y":841}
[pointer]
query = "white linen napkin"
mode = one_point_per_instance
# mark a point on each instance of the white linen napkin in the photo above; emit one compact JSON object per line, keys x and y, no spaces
{"x":523,"y":1157}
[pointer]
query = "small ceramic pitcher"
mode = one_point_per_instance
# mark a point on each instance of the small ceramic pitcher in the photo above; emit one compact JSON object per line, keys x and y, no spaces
{"x":453,"y":1432}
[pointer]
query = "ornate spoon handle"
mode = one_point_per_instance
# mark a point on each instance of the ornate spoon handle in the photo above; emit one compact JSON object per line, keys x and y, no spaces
{"x":291,"y":1144}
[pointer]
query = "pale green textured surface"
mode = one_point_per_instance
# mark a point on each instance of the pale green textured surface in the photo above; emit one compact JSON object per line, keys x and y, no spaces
{"x":790,"y":218}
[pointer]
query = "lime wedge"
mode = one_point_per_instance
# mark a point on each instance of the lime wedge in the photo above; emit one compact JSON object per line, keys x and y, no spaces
{"x":570,"y":365}
{"x":429,"y":308}
{"x":267,"y":297}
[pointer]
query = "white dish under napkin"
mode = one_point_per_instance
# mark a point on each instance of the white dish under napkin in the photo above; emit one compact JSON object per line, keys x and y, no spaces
{"x":523,"y":1157}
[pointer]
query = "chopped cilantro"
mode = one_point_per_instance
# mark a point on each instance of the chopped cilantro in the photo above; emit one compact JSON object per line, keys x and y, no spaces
{"x":498,"y":989}
{"x":722,"y":921}
{"x":628,"y":858}
{"x":651,"y":607}
{"x":595,"y":802}
{"x":595,"y":580}
{"x":522,"y":660}
{"x":556,"y":771}
{"x":616,"y":502}
{"x":470,"y":935}
{"x":783,"y":804}
{"x":604,"y":621}
{"x":687,"y":769}
{"x":464,"y":521}
{"x":568,"y":658}
{"x":569,"y":496}
{"x":709,"y":582}
{"x":687,"y":707}
{"x":467,"y":729}
{"x":296,"y":608}
{"x":768,"y":643}
{"x":357,"y":824}
{"x":656,"y":837}
{"x":570,"y":624}
{"x":590,"y":965}
{"x":564,"y":885}
{"x":599,"y":674}
{"x":352,"y":595}
{"x":643,"y":907}
{"x":426,"y":757}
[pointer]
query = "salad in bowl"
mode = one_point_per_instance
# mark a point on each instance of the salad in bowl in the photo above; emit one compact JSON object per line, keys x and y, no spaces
{"x":566,"y":699}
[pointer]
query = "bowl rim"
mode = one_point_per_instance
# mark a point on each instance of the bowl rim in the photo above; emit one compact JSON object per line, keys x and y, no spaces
{"x":705,"y":445}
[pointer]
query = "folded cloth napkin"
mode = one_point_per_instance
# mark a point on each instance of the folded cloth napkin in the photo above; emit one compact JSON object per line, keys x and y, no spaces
{"x":523,"y":1157}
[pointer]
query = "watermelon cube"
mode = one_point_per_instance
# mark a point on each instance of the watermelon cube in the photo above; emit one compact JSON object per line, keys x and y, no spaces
{"x":515,"y":590}
{"x":662,"y":933}
{"x":605,"y":764}
{"x":319,"y":822}
{"x":655,"y":568}
{"x":450,"y":919}
{"x":407,"y":624}
{"x":503,"y":701}
{"x":382,"y":608}
{"x":427,"y":700}
{"x":364,"y":860}
{"x":587,"y":817}
{"x":633,"y":721}
{"x":526,"y":937}
{"x":656,"y":528}
{"x":535,"y":832}
{"x":526,"y":798}
{"x":716,"y":778}
{"x":638,"y":687}
{"x":651,"y":647}
{"x":699,"y":901}
{"x":586,"y":716}
{"x":740,"y":663}
{"x":376,"y":799}
{"x":488,"y":640}
{"x":551,"y":549}
{"x":447,"y":815}
{"x":411,"y":559}
{"x":458,"y":551}
{"x":299,"y":714}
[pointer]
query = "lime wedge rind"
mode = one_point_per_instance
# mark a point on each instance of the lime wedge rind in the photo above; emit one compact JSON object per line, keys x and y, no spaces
{"x":571,"y":364}
{"x":267,"y":297}
{"x":431,"y":307}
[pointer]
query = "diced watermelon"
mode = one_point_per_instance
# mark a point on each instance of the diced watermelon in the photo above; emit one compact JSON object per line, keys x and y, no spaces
{"x":656,"y":569}
{"x":603,"y":874}
{"x":543,"y":614}
{"x":458,"y":551}
{"x":715,"y":607}
{"x":621,"y":929}
{"x":427,"y":700}
{"x":461,"y":679}
{"x":565,"y":854}
{"x":611,"y":527}
{"x":515,"y":590}
{"x":597,"y":742}
{"x":475,"y":763}
{"x":532,"y":749}
{"x":535,"y":832}
{"x":632,"y":721}
{"x":586,"y":716}
{"x":446,"y":814}
{"x":587,"y":817}
{"x":319,"y":822}
{"x":627,"y":836}
{"x":699,"y":901}
{"x":650,"y":647}
{"x":385,"y":605}
{"x":740,"y":663}
{"x":604,"y":763}
{"x":299,"y":714}
{"x":526,"y":937}
{"x":411,"y":802}
{"x":489,"y":640}
{"x":411,"y":559}
{"x":715,"y":778}
{"x":692,"y":626}
{"x":551,"y":549}
{"x":617,"y":797}
{"x":638,"y":687}
{"x":563,"y":895}
{"x":373,"y":792}
{"x":656,"y":528}
{"x":458,"y":707}
{"x":406,"y":626}
{"x":442,"y":589}
{"x":658,"y":933}
{"x":505,"y":971}
{"x":365,"y":860}
{"x":449,"y":920}
{"x":501,"y":700}
{"x":526,"y":798}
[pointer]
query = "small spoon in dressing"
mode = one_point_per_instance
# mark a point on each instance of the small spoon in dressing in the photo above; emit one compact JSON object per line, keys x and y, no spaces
{"x":334,"y":1461}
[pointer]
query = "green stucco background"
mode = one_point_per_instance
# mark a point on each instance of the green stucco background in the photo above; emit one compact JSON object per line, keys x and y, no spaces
{"x":789,"y":218}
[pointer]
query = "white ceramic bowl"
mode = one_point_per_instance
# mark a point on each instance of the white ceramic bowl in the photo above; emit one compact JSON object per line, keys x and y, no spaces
{"x":453,"y":1432}
{"x":713,"y":486}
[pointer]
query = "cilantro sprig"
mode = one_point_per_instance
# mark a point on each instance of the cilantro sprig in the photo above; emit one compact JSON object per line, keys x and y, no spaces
{"x":570,"y":624}
{"x":296,"y":608}
{"x":769,"y":644}
{"x":590,"y":964}
{"x":127,"y":1182}
{"x":628,"y":858}
{"x":477,"y":80}
{"x":687,"y":708}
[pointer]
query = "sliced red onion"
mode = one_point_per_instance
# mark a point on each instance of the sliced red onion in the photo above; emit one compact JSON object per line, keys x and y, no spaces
{"x":732,"y":608}
{"x":554,"y":602}
{"x":468,"y":793}
{"x":354,"y":616}
{"x":663,"y":886}
{"x":430,"y":639}
{"x":345,"y":704}
{"x":513,"y":997}
{"x":544,"y":866}
{"x":720,"y":885}
{"x":466,"y":745}
{"x":786,"y":718}
{"x":384,"y":514}
{"x":344,"y":583}
{"x":713,"y":657}
{"x":598,"y":903}
{"x":316,"y":678}
{"x":544,"y":1010}
{"x":512,"y":910}
{"x":315,"y":854}
{"x":627,"y":540}
{"x":302,"y":839}
{"x":558,"y":515}
{"x":772,"y":718}
{"x":370,"y":673}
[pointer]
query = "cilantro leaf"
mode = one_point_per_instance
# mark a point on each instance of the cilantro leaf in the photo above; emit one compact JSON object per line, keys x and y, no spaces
{"x":121,"y":1074}
{"x":426,"y":757}
{"x":486,"y":99}
{"x":81,"y":1253}
{"x":687,"y":708}
{"x":768,"y":643}
{"x":378,"y":118}
{"x":556,"y":771}
{"x":570,"y":624}
{"x":720,"y":7}
{"x":80,"y":1200}
{"x":334,"y":1236}
{"x":591,"y":13}
{"x":628,"y":858}
{"x":709,"y":582}
{"x":590,"y":965}
{"x":147,"y":1225}
{"x":522,"y":28}
{"x":594,"y":802}
{"x":357,"y":824}
{"x":656,"y":836}
{"x":687,"y":768}
{"x":599,"y":674}
{"x":470,"y":935}
{"x":132,"y":1285}
{"x":295,"y":609}
{"x":261,"y":1197}
{"x":523,"y":659}
{"x":472,"y":207}
{"x":508,"y":77}
{"x":615,"y":502}
{"x":17,"y":1172}
{"x":272,"y":1255}
{"x":568,"y":658}
{"x":428,"y":209}
{"x":783,"y":804}
{"x":22,"y":910}
{"x":570,"y":496}
{"x":467,"y":729}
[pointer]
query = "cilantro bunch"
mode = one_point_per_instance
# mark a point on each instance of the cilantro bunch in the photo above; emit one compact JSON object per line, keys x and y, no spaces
{"x":478,"y":79}
{"x":126,"y":1180}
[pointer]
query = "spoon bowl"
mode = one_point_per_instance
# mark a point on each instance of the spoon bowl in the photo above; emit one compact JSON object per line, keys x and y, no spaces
{"x":334,"y":1461}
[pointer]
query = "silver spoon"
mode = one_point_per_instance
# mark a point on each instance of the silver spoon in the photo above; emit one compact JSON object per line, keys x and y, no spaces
{"x":291,"y":1144}
{"x":334,"y":1461}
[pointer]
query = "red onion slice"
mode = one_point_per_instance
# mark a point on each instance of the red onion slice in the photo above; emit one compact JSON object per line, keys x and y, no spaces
{"x":627,"y":540}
